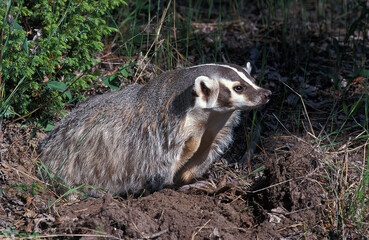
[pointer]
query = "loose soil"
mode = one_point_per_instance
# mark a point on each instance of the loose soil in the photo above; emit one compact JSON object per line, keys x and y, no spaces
{"x":286,"y":199}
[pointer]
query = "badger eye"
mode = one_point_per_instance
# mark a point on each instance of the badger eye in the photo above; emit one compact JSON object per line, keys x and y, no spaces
{"x":238,"y":88}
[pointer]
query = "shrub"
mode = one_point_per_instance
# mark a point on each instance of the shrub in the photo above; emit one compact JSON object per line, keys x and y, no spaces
{"x":45,"y":46}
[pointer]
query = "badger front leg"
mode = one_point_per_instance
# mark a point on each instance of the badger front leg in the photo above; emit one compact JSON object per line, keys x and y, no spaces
{"x":196,"y":165}
{"x":207,"y":148}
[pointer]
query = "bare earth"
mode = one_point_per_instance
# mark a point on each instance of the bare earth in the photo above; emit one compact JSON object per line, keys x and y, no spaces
{"x":286,"y":199}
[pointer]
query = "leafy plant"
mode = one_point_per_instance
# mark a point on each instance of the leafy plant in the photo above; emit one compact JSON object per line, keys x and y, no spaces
{"x":114,"y":81}
{"x":44,"y":47}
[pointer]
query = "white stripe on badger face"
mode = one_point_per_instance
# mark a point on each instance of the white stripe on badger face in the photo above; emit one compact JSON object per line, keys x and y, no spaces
{"x":241,"y":74}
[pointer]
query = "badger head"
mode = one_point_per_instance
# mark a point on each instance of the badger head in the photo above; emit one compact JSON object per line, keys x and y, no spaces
{"x":228,"y":87}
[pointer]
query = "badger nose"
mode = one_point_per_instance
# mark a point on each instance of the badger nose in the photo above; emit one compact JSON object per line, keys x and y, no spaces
{"x":266,"y":95}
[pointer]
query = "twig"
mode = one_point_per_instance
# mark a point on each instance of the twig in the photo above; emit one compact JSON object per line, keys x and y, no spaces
{"x":195,"y":233}
{"x":24,"y":173}
{"x":156,"y":37}
{"x":291,"y":226}
{"x":133,"y":37}
{"x":293,"y":135}
{"x":301,"y":210}
{"x":303,"y":104}
{"x":155,"y":235}
{"x":70,"y":236}
{"x":274,"y":185}
{"x":138,"y":230}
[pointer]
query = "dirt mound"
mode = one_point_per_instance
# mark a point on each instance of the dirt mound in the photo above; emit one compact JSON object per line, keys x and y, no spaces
{"x":170,"y":214}
{"x":286,"y":199}
{"x":290,"y":193}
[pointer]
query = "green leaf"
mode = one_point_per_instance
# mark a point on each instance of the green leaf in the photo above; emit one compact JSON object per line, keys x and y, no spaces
{"x":356,"y":106}
{"x":359,"y":72}
{"x":61,"y":87}
{"x":124,"y":73}
{"x":25,"y":45}
{"x":49,"y":127}
{"x":107,"y":80}
{"x":17,"y":26}
{"x":69,"y":94}
{"x":364,"y":73}
{"x":55,"y":85}
{"x":336,"y":45}
{"x":345,"y":109}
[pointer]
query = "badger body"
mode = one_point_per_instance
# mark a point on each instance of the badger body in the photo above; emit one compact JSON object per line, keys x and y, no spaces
{"x":148,"y":136}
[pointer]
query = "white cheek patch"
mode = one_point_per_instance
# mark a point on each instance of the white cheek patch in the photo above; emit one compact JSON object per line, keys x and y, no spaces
{"x":241,"y":74}
{"x":206,"y":100}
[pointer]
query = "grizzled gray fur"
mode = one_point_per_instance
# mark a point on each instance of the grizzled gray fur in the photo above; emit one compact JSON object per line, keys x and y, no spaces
{"x":167,"y":131}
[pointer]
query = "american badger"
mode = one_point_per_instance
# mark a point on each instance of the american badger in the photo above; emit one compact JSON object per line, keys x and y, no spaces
{"x":165,"y":132}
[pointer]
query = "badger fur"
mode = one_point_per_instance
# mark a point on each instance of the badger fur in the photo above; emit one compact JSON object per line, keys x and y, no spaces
{"x":149,"y":136}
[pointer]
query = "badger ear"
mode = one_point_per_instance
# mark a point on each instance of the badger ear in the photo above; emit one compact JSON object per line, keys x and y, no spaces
{"x":248,"y":68}
{"x":207,"y":91}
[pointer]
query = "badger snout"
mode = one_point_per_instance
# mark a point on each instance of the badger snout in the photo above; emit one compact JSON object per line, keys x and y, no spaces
{"x":265,"y":95}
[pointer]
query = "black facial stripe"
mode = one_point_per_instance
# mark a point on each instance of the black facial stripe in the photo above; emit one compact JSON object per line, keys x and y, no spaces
{"x":248,"y":75}
{"x":224,"y":98}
